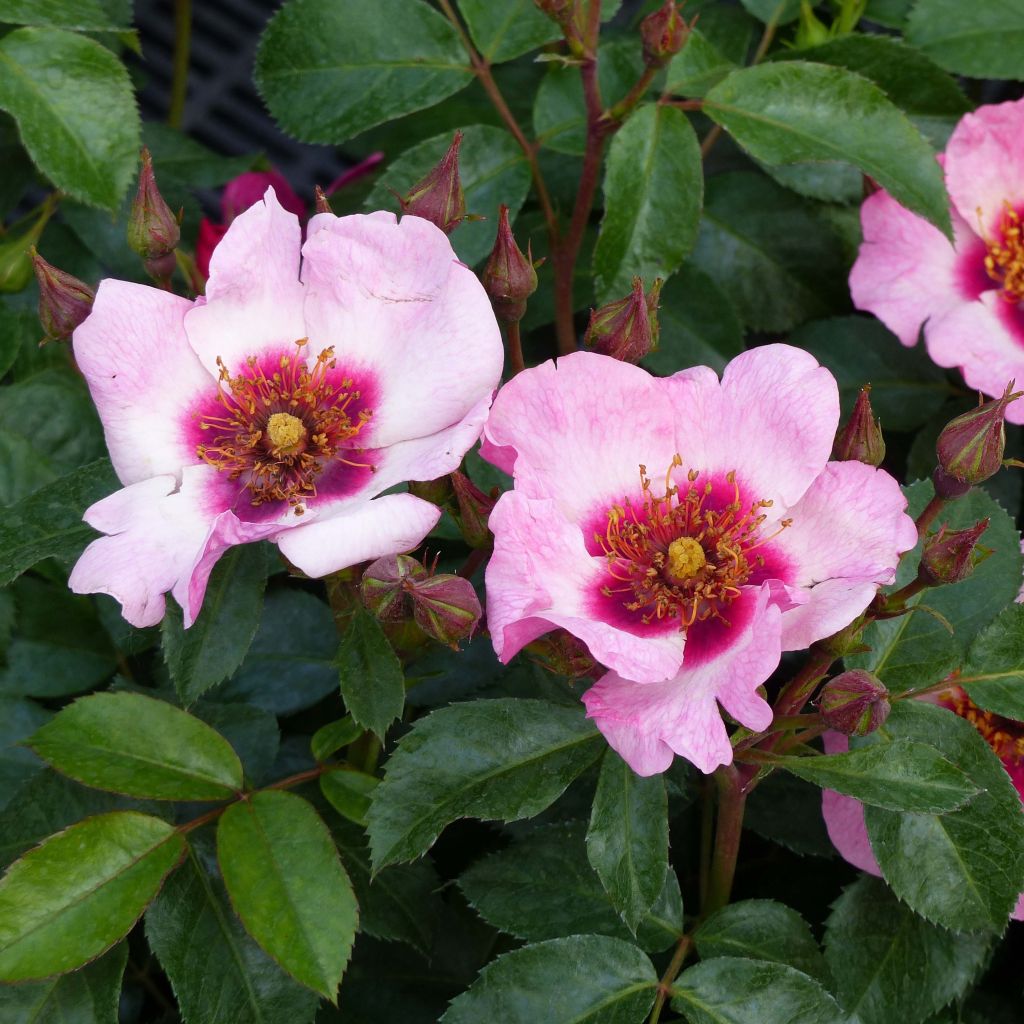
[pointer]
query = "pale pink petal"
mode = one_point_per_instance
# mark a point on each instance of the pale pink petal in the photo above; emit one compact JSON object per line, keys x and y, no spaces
{"x":846,"y":536}
{"x":772,"y":420}
{"x":985,"y":163}
{"x":541,"y":576}
{"x":143,"y":377}
{"x":254,"y":296}
{"x":844,"y":817}
{"x":985,"y":339}
{"x":1018,"y":912}
{"x":578,"y":431}
{"x":155,"y":534}
{"x":647,"y":724}
{"x":907,"y":273}
{"x":393,"y":299}
{"x":387,"y":525}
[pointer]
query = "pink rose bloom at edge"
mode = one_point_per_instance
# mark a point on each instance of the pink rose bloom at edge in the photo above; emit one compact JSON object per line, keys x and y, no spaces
{"x":687,"y":530}
{"x":967,"y":296}
{"x":281,"y":404}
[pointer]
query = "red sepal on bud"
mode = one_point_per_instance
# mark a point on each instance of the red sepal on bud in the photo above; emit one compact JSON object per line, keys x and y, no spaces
{"x":860,"y":440}
{"x":664,"y":34}
{"x":385,"y":586}
{"x":439,"y":197}
{"x":509,"y":277}
{"x":153,"y":230}
{"x":64,"y":301}
{"x":970,"y":447}
{"x":474,"y":510}
{"x":950,"y":556}
{"x":445,"y":608}
{"x":628,"y":328}
{"x":854,"y":703}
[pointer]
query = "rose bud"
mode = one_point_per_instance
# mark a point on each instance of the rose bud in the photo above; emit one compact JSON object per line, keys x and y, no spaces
{"x":970,"y":447}
{"x":860,"y":440}
{"x":445,"y":608}
{"x":564,"y":654}
{"x":626,"y":329}
{"x":64,"y":301}
{"x":439,"y":197}
{"x":385,"y":586}
{"x":664,"y":34}
{"x":854,"y":703}
{"x":474,"y":510}
{"x":153,"y":230}
{"x":950,"y":556}
{"x":509,"y":277}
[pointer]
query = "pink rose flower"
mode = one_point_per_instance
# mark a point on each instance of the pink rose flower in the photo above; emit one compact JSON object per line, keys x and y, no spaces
{"x":281,"y":404}
{"x":687,"y":530}
{"x":844,"y":816}
{"x":967,"y":295}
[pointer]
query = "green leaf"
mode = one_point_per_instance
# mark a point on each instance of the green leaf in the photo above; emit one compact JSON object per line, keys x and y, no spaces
{"x":217,"y":642}
{"x":83,"y":15}
{"x":330,"y":738}
{"x":907,"y":388}
{"x":900,"y":776}
{"x":980,"y":40}
{"x":76,"y":113}
{"x":787,"y":811}
{"x":88,"y":996}
{"x":251,"y":731}
{"x":492,"y":169}
{"x":372,"y":682}
{"x":19,"y":718}
{"x":993,"y":674}
{"x":180,"y":158}
{"x":287,"y":885}
{"x":329,"y":69}
{"x":506,"y":30}
{"x":218,"y":973}
{"x":731,"y":990}
{"x":541,"y":887}
{"x":70,"y":899}
{"x":399,"y":903}
{"x":965,"y":869}
{"x":891,"y":965}
{"x":699,"y":326}
{"x":762,"y":930}
{"x":612,"y":983}
{"x":767,"y":249}
{"x":785,"y":113}
{"x":291,"y":662}
{"x":715,"y":47}
{"x":653,"y":187}
{"x":139,"y":746}
{"x":779,"y":12}
{"x":49,"y":523}
{"x":627,"y":842}
{"x":349,"y":792}
{"x":916,"y":650}
{"x":494,"y":759}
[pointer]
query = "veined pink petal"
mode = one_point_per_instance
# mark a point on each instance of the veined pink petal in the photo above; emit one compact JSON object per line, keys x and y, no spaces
{"x":254,"y":296}
{"x":143,"y":377}
{"x":844,"y":818}
{"x":648,"y":724}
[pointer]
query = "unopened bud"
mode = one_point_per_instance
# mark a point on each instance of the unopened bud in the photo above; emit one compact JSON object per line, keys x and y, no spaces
{"x":64,"y":301}
{"x":860,"y":440}
{"x":439,"y":197}
{"x":385,"y":586}
{"x":474,"y":510}
{"x":950,"y":556}
{"x":153,"y":230}
{"x":628,"y":328}
{"x":445,"y":608}
{"x":664,"y":34}
{"x":854,"y":703}
{"x":970,"y":447}
{"x":564,"y":654}
{"x":509,"y":277}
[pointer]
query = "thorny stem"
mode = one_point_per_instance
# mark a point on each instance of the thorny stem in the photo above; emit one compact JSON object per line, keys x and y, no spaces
{"x":665,"y":984}
{"x":795,"y":693}
{"x":515,"y":347}
{"x":182,"y":45}
{"x":929,"y":514}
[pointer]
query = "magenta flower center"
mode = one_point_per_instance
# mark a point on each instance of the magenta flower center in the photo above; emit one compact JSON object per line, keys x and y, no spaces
{"x":278,"y":431}
{"x":1003,"y":735}
{"x":677,"y":557}
{"x":1004,"y":262}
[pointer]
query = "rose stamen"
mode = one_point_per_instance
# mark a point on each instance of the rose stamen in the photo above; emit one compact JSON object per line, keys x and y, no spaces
{"x":1004,"y":262}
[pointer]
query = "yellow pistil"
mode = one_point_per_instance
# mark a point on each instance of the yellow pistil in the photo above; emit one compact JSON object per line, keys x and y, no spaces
{"x":285,"y":432}
{"x":1004,"y":262}
{"x":685,"y":558}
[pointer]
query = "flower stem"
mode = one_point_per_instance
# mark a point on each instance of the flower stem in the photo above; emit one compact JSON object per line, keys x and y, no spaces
{"x":795,"y":693}
{"x":182,"y":46}
{"x":732,"y":797}
{"x":929,"y":514}
{"x":515,"y":347}
{"x":665,"y":984}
